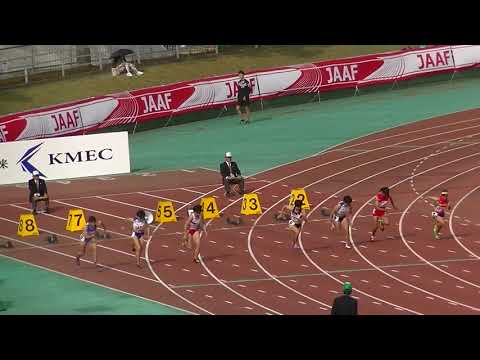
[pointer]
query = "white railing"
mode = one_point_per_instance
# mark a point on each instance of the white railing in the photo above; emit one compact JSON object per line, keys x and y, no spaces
{"x":23,"y":61}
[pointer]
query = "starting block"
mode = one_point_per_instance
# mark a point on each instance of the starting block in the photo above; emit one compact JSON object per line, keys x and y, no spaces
{"x":76,"y":220}
{"x":165,"y":212}
{"x":299,"y":194}
{"x":209,"y":208}
{"x":251,"y":205}
{"x":27,"y":225}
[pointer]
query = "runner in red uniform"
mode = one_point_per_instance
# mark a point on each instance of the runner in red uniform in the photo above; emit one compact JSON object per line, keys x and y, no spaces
{"x":438,"y":214}
{"x":380,"y":209}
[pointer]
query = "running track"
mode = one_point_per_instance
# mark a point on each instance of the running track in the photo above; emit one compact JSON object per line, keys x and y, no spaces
{"x":251,"y":269}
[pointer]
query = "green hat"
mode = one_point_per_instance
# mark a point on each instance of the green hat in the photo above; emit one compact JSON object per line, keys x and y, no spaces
{"x":347,"y":288}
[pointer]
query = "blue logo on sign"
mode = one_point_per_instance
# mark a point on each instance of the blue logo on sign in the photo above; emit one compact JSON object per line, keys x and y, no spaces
{"x":24,"y":160}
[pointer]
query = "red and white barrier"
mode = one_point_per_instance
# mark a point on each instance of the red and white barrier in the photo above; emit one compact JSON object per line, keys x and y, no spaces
{"x":160,"y":102}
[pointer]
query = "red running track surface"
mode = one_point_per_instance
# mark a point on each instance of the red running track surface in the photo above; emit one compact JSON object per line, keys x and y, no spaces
{"x":252,"y":269}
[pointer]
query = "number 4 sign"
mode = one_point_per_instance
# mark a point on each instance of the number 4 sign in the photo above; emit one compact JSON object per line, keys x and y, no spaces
{"x":209,"y":208}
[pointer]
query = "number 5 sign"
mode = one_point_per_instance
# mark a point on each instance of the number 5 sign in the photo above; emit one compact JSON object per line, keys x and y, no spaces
{"x":165,"y":212}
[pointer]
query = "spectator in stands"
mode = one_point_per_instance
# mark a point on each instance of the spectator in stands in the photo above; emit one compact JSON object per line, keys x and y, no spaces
{"x":38,"y":191}
{"x":121,"y":65}
{"x":345,"y":304}
{"x":231,"y":174}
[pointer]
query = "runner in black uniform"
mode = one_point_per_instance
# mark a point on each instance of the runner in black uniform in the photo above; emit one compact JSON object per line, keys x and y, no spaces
{"x":243,"y":98}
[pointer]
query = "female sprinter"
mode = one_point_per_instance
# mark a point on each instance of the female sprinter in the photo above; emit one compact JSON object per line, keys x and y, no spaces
{"x":298,"y":217}
{"x":379,"y":211}
{"x":438,"y":214}
{"x":138,"y":234}
{"x":284,"y":214}
{"x":194,"y":227}
{"x":342,"y":214}
{"x":89,"y":237}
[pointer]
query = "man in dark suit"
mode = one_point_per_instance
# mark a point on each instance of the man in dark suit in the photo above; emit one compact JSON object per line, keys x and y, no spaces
{"x":38,"y":191}
{"x":345,"y":304}
{"x":231,"y":174}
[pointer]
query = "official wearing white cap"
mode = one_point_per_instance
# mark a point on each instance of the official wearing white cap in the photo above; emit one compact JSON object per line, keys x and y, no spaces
{"x":231,"y":175}
{"x":38,"y":191}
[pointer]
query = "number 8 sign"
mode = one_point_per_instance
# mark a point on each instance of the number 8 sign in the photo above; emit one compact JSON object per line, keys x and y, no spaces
{"x":27,"y":225}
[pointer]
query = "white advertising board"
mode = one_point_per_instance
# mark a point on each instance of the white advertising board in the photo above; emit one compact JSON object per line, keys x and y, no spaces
{"x":64,"y":157}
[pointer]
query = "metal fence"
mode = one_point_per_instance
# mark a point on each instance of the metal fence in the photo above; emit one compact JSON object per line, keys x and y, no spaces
{"x":24,"y":61}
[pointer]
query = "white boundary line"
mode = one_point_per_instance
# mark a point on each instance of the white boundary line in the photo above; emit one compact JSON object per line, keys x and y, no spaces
{"x":450,"y":223}
{"x":323,"y":152}
{"x":161,"y":197}
{"x":92,"y":282}
{"x":381,"y":270}
{"x":124,"y":203}
{"x":317,"y":166}
{"x":249,"y":239}
{"x":400,"y":226}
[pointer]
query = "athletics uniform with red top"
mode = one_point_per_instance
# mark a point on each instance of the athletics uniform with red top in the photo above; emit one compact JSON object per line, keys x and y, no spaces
{"x":441,"y":206}
{"x":382,"y":204}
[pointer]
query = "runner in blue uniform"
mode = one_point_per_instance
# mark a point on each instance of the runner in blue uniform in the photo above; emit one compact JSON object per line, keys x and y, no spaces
{"x":89,"y":237}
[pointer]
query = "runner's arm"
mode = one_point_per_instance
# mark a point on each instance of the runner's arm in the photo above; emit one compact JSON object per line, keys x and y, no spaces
{"x":393,"y":204}
{"x":334,"y":211}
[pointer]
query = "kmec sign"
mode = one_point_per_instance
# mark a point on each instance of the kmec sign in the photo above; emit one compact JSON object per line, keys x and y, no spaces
{"x":80,"y":156}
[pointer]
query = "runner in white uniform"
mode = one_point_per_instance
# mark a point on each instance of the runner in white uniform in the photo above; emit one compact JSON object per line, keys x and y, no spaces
{"x":297,"y":219}
{"x":138,"y":235}
{"x":194,"y":227}
{"x":341,"y":214}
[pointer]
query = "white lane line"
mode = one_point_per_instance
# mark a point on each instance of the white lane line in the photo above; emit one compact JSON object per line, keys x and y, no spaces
{"x":407,"y":292}
{"x":162,"y":198}
{"x":193,"y":191}
{"x":92,"y":282}
{"x":124,"y":203}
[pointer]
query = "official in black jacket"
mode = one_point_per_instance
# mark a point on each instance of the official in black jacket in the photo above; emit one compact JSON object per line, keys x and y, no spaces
{"x":345,"y":304}
{"x":38,"y":191}
{"x":243,"y":99}
{"x":231,"y":174}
